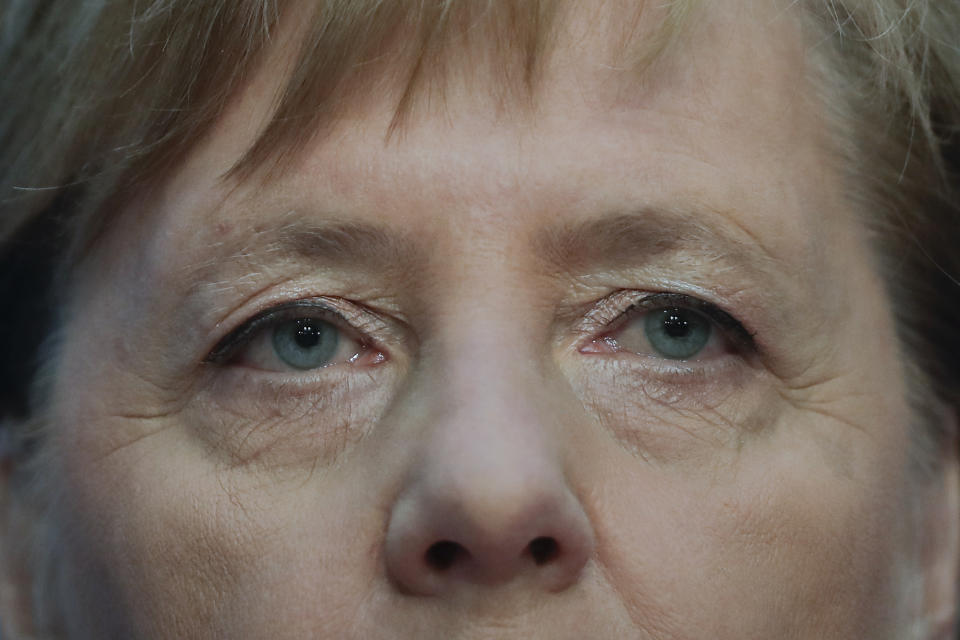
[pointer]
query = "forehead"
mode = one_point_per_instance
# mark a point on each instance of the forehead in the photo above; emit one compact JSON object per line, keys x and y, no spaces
{"x":721,"y":133}
{"x":730,"y":105}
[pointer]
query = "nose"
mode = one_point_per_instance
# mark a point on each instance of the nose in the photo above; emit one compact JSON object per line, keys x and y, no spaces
{"x":487,"y":504}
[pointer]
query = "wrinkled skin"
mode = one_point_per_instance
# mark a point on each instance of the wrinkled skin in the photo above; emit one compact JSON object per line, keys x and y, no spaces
{"x":479,"y":259}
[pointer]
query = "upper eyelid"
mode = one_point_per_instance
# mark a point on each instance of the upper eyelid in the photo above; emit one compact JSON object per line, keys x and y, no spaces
{"x":599,"y":318}
{"x":607,"y":319}
{"x":727,"y":323}
{"x":227,"y":346}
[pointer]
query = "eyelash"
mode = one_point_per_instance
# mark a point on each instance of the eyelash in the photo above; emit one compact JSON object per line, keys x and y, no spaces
{"x":610,"y":314}
{"x":606,"y":317}
{"x":230,"y":346}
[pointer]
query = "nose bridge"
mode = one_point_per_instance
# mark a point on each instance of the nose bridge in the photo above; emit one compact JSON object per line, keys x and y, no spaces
{"x":492,"y":447}
{"x":487,"y":502}
{"x":494,"y":433}
{"x":494,"y":387}
{"x":487,"y":371}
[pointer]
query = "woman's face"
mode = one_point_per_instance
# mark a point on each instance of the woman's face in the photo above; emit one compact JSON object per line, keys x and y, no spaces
{"x":616,"y":365}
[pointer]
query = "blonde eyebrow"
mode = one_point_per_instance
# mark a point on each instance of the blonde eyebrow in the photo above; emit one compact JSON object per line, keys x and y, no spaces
{"x":331,"y":243}
{"x":609,"y":241}
{"x":342,"y":243}
{"x":617,"y":239}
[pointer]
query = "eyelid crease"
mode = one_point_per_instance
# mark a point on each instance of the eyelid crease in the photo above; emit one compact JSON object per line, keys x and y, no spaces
{"x":610,"y":316}
{"x":229,"y":345}
{"x":732,"y":327}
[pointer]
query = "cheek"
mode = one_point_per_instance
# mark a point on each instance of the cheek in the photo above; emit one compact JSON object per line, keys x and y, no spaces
{"x":774,"y":544}
{"x":284,"y":427}
{"x":162,"y":541}
{"x":180,"y":547}
{"x":682,"y":420}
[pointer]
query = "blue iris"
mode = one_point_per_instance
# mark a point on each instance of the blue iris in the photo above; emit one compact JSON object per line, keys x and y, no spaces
{"x":305,"y":343}
{"x":677,"y":333}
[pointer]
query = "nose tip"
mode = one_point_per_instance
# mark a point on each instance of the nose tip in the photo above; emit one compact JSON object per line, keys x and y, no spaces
{"x":437,"y":544}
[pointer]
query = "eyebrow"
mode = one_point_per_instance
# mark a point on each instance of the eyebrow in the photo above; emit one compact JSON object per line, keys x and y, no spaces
{"x":609,"y":241}
{"x":615,"y":239}
{"x":338,"y":243}
{"x":333,"y":243}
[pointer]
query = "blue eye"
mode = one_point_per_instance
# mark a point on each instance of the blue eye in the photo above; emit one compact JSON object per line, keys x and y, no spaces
{"x":300,"y":335}
{"x":677,"y":333}
{"x":305,"y":343}
{"x":668,"y":326}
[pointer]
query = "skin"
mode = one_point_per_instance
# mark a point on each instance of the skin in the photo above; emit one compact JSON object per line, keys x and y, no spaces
{"x":749,"y":492}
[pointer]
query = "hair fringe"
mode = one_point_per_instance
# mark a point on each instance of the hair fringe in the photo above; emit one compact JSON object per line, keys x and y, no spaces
{"x":104,"y":97}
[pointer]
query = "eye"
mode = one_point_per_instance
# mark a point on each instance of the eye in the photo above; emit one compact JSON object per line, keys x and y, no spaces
{"x":669,"y":326}
{"x":675,"y":333}
{"x":305,"y":343}
{"x":299,"y":336}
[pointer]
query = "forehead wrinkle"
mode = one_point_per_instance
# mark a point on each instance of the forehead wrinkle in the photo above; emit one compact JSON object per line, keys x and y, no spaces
{"x":345,"y":243}
{"x":504,"y":51}
{"x":625,"y":239}
{"x":337,"y":244}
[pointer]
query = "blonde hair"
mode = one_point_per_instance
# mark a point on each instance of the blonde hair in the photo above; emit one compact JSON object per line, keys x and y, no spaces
{"x":102,"y":98}
{"x":889,"y":72}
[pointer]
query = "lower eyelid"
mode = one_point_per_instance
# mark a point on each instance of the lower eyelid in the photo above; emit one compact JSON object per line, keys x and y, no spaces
{"x":229,"y":346}
{"x":614,"y":370}
{"x":259,"y":350}
{"x":719,"y":342}
{"x":611,"y":312}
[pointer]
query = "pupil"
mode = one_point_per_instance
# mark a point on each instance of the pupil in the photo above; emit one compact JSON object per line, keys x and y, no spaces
{"x":307,"y":334}
{"x":675,"y":325}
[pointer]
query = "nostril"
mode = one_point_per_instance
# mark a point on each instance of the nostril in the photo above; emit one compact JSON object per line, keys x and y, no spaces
{"x":543,"y":549}
{"x":442,"y":555}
